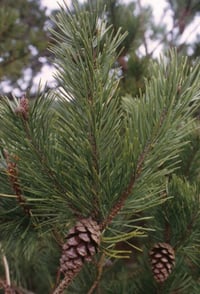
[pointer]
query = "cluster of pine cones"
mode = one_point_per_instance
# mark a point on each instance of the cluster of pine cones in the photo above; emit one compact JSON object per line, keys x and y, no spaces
{"x":83,"y":241}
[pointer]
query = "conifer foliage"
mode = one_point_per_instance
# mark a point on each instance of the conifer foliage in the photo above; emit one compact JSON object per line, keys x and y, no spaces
{"x":90,"y":181}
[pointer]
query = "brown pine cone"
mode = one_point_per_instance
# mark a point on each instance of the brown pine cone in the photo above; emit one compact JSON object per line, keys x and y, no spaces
{"x":162,"y":257}
{"x":82,"y":243}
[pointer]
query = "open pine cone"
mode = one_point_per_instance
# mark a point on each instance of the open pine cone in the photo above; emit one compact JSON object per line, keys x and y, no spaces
{"x":82,"y":243}
{"x":162,"y":261}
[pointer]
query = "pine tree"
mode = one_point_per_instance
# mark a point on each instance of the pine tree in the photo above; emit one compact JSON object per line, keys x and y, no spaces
{"x":100,"y":192}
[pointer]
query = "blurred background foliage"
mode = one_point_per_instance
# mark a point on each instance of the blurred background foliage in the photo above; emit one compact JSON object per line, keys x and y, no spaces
{"x":25,"y":38}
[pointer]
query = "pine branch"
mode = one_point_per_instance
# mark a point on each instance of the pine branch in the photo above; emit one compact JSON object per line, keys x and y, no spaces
{"x":99,"y":156}
{"x":93,"y":106}
{"x":6,"y":268}
{"x":136,"y":174}
{"x":40,"y":154}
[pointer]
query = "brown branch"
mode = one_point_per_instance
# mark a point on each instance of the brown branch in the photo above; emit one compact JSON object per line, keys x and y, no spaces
{"x":36,"y":149}
{"x":100,"y":266}
{"x":6,"y":268}
{"x":7,"y":271}
{"x":115,"y":210}
{"x":23,"y":111}
{"x":135,"y":175}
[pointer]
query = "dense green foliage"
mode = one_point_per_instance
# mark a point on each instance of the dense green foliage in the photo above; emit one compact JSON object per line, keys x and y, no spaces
{"x":91,"y":148}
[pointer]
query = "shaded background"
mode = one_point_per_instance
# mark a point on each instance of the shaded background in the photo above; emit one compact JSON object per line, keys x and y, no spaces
{"x":26,"y":62}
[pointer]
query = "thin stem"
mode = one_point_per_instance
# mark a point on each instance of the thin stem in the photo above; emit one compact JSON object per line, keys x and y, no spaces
{"x":7,"y":271}
{"x":128,"y":190}
{"x":40,"y":155}
{"x":42,"y":159}
{"x":100,"y":266}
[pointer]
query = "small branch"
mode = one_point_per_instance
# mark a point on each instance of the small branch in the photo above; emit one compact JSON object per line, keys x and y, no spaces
{"x":23,"y":110}
{"x":7,"y":272}
{"x":100,"y":266}
{"x":6,"y":269}
{"x":129,"y":188}
{"x":134,"y":177}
